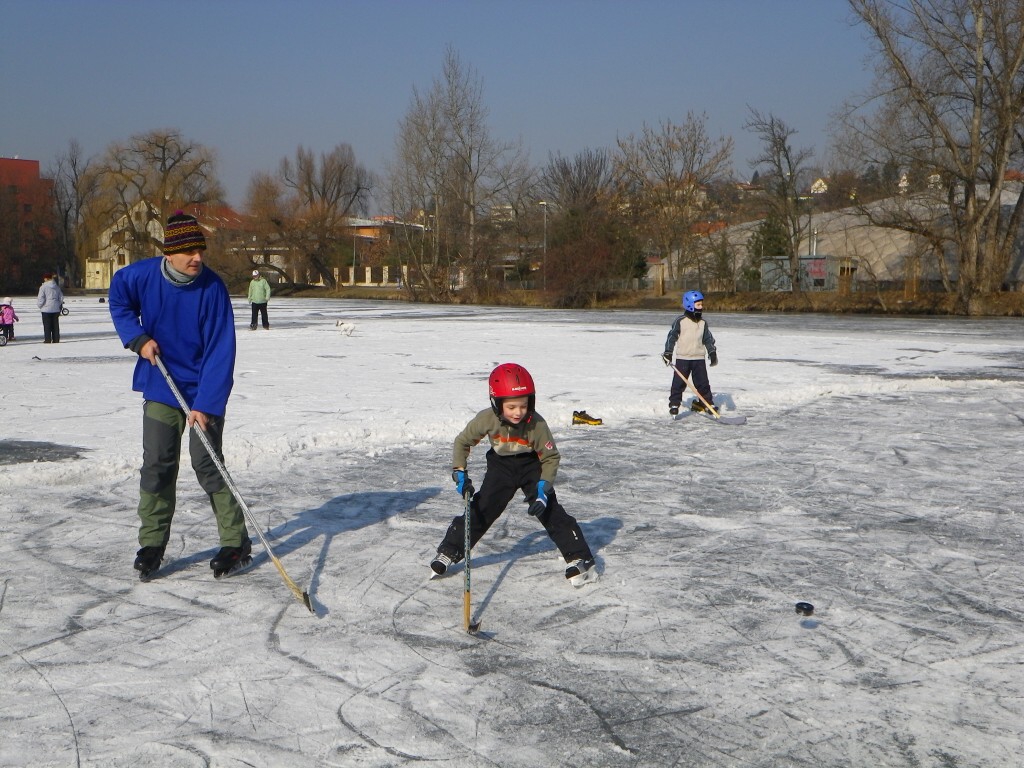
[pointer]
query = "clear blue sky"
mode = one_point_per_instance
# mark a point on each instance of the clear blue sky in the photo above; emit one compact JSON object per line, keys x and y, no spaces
{"x":254,"y":79}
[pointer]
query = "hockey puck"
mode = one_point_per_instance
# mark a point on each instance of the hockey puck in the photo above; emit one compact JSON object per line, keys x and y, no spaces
{"x":804,"y":609}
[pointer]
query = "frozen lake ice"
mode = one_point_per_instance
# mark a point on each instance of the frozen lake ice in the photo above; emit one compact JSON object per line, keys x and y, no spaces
{"x":877,"y":478}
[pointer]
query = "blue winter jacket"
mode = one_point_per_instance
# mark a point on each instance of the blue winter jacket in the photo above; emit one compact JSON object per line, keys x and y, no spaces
{"x":194,"y":325}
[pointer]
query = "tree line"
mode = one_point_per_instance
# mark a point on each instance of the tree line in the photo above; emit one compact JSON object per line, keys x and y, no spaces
{"x":930,"y":149}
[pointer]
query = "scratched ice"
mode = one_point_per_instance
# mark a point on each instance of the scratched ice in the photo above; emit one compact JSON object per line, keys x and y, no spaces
{"x":878,"y":477}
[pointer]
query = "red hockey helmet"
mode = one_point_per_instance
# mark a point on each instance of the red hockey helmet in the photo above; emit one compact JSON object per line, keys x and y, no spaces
{"x":511,"y":380}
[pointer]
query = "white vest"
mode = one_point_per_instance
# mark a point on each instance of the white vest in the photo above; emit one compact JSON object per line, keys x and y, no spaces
{"x":690,"y":344}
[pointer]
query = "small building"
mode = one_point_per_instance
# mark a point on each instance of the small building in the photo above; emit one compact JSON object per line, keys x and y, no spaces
{"x":120,"y":244}
{"x":817,"y":273}
{"x":139,"y":233}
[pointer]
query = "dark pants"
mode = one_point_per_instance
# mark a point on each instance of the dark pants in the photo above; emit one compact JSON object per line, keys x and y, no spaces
{"x":51,"y":327}
{"x":8,"y":331}
{"x":261,"y":310}
{"x":162,"y":427}
{"x":697,"y":372}
{"x":506,"y":475}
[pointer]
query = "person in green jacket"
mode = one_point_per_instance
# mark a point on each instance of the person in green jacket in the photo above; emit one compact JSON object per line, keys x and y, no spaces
{"x":259,"y":295}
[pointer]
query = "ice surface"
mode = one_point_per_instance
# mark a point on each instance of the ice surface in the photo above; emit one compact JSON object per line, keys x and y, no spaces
{"x":878,"y":477}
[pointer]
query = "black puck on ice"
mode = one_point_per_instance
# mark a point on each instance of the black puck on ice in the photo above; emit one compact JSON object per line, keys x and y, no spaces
{"x":804,"y":609}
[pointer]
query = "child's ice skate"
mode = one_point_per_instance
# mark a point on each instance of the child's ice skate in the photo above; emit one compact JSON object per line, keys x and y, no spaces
{"x":442,"y":562}
{"x":581,"y":571}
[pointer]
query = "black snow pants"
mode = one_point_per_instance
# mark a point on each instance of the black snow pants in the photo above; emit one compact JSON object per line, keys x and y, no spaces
{"x":697,"y":372}
{"x":51,"y":327}
{"x":505,"y":475}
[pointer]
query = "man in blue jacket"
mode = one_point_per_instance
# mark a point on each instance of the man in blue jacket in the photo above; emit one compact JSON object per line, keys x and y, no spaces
{"x":174,"y":307}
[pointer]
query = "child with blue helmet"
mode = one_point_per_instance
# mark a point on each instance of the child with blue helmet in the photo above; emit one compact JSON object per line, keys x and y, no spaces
{"x":688,"y":340}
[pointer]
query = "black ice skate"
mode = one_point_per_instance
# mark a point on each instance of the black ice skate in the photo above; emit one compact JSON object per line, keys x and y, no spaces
{"x":232,"y":560}
{"x":147,"y":561}
{"x":442,"y":562}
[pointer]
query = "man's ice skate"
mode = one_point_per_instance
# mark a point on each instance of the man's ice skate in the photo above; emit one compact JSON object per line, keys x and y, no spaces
{"x":231,"y":560}
{"x":147,"y":561}
{"x":698,"y":407}
{"x":673,"y":410}
{"x":579,"y":572}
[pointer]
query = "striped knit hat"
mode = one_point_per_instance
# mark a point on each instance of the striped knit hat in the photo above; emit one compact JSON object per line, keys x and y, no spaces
{"x":182,"y":234}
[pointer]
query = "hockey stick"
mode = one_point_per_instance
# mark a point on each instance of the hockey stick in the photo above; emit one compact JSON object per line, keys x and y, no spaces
{"x":467,"y":602}
{"x":303,"y":597}
{"x":714,"y":411}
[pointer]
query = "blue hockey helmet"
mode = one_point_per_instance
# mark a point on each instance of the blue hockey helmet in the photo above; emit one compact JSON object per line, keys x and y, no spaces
{"x":690,"y":298}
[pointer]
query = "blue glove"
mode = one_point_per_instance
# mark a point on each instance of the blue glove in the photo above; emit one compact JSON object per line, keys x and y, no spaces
{"x":714,"y":359}
{"x":541,"y":502}
{"x":462,"y":482}
{"x":667,"y":357}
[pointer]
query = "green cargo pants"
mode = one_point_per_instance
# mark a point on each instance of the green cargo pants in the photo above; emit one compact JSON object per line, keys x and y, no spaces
{"x":162,"y":427}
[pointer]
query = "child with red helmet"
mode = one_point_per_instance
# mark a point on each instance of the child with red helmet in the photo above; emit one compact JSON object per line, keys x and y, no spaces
{"x":522,"y":456}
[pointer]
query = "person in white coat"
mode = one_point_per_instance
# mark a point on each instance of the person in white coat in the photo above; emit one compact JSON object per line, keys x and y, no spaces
{"x":50,"y":300}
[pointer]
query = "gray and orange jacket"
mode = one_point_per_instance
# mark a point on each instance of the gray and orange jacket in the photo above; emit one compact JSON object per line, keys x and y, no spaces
{"x":531,"y":434}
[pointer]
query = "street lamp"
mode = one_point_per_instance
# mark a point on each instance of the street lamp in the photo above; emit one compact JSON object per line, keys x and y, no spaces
{"x":544,"y":257}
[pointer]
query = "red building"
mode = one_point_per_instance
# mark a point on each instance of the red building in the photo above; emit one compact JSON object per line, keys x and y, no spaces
{"x":26,"y":225}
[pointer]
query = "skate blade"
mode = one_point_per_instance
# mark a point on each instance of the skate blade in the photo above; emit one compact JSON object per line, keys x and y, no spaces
{"x":587,"y":577}
{"x":240,"y":567}
{"x":435,"y":575}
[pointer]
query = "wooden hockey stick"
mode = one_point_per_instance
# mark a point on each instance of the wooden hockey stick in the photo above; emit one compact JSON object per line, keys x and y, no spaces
{"x":737,"y":420}
{"x":302,"y":596}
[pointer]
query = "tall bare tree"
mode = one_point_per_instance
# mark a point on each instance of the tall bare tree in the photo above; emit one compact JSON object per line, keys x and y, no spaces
{"x":75,"y":187}
{"x":147,"y":177}
{"x":948,"y":105}
{"x":450,"y":171}
{"x":417,"y":192}
{"x":781,"y":168}
{"x":666,"y":172}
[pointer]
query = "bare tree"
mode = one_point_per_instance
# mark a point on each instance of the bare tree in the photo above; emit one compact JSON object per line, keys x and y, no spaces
{"x":75,"y":187}
{"x":264,"y":202}
{"x":450,"y":171}
{"x":666,"y":172}
{"x":948,"y":106}
{"x":416,"y":192}
{"x":582,"y":182}
{"x":781,"y":167}
{"x":147,"y":177}
{"x":318,"y":197}
{"x":590,"y":243}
